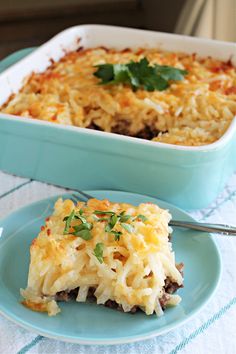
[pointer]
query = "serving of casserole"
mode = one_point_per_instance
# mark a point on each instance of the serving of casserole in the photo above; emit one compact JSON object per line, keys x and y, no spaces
{"x":167,"y":133}
{"x":118,"y":254}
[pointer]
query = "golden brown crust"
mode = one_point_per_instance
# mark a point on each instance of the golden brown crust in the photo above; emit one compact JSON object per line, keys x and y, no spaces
{"x":195,"y":111}
{"x":38,"y":307}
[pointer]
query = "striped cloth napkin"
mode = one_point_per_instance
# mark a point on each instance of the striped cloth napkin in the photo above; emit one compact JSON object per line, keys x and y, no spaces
{"x":212,"y":331}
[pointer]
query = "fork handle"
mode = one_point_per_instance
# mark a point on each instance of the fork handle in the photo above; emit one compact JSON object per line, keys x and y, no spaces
{"x":215,"y":228}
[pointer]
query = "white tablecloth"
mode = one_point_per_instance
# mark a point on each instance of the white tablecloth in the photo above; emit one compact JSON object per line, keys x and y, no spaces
{"x":212,"y":331}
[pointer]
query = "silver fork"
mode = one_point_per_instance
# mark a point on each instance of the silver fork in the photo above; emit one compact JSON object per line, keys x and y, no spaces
{"x":194,"y":225}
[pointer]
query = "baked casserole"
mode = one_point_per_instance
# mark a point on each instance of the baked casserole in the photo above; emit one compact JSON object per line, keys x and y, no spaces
{"x":118,"y":254}
{"x":196,"y":110}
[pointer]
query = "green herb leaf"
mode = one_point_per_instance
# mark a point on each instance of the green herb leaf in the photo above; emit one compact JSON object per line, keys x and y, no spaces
{"x":117,"y":234}
{"x":83,"y":231}
{"x":98,"y":252}
{"x":68,"y":220}
{"x":85,"y":234}
{"x":170,"y":73}
{"x":81,"y":218}
{"x":85,"y":226}
{"x":124,"y":218}
{"x":127,"y":227}
{"x":139,"y":75}
{"x":121,"y":73}
{"x":142,"y":217}
{"x":112,"y":222}
{"x":78,"y":228}
{"x":102,"y":219}
{"x":104,"y":72}
{"x":101,"y":212}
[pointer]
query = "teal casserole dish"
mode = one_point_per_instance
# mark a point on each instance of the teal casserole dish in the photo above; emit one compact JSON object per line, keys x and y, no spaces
{"x":190,"y":177}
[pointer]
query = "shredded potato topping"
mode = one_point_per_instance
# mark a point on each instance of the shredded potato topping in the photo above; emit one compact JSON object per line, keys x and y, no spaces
{"x":131,"y":270}
{"x":195,"y":111}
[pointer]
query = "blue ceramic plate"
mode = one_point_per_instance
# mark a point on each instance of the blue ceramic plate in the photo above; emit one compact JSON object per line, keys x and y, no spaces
{"x":89,"y":323}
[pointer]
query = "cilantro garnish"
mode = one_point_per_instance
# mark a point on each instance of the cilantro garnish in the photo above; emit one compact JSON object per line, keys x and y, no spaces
{"x":82,"y":230}
{"x":101,"y":212}
{"x":142,"y":217}
{"x":81,"y":218}
{"x":98,"y":252}
{"x":124,"y":217}
{"x":139,"y":75}
{"x":117,"y":234}
{"x":68,"y":220}
{"x":113,"y":220}
{"x":101,"y":219}
{"x":85,"y":234}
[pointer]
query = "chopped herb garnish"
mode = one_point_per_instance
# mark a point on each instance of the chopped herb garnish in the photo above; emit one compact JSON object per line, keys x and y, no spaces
{"x":117,"y":234}
{"x":82,"y":230}
{"x":142,"y":217}
{"x":98,"y":252}
{"x":170,"y":73}
{"x":81,"y":218}
{"x":124,"y":218}
{"x":121,"y":218}
{"x":113,"y":220}
{"x":85,"y":234}
{"x":68,"y":220}
{"x":139,"y":75}
{"x":78,"y":228}
{"x":85,"y":226}
{"x":103,"y":219}
{"x":127,"y":227}
{"x":101,"y":212}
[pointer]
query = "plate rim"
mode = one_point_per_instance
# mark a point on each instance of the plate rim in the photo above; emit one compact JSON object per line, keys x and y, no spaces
{"x":123,"y":340}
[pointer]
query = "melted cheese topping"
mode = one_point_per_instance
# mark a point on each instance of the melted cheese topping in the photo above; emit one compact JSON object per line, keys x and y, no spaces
{"x":195,"y":111}
{"x":134,"y":268}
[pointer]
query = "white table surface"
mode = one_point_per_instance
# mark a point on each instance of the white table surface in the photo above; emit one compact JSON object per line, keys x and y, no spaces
{"x":212,"y":331}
